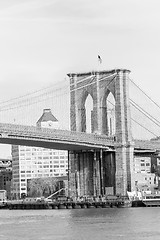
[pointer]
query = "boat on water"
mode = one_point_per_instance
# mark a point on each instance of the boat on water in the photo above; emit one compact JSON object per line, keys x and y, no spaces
{"x":151,"y":200}
{"x":135,"y":198}
{"x":124,"y":202}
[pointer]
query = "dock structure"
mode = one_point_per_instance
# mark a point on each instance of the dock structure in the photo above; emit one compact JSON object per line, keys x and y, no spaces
{"x":110,"y":202}
{"x":70,"y":204}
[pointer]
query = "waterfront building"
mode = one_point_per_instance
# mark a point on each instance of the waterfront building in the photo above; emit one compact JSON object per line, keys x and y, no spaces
{"x":6,"y":175}
{"x":155,"y":167}
{"x":34,"y":162}
{"x":145,"y":179}
{"x":142,"y":164}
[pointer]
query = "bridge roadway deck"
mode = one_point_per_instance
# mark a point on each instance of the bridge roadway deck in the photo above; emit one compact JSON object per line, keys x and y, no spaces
{"x":52,"y":138}
{"x":146,"y":145}
{"x":65,"y":139}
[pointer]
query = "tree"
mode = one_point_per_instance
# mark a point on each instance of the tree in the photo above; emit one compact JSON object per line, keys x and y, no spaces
{"x":38,"y":187}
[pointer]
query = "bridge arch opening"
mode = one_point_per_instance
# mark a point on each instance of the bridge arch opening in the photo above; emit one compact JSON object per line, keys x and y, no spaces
{"x":89,"y":113}
{"x":108,"y":114}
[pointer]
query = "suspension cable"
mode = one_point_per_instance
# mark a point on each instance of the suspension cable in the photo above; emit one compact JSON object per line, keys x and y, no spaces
{"x":137,"y":122}
{"x":83,"y":79}
{"x":115,"y":74}
{"x":31,"y":93}
{"x":21,"y":98}
{"x":144,"y":93}
{"x":154,"y":120}
{"x":36,"y":101}
{"x":34,"y":97}
{"x":144,"y":127}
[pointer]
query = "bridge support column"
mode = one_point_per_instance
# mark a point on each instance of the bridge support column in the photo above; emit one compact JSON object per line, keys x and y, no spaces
{"x":81,"y":173}
{"x":124,"y":150}
{"x":101,"y":173}
{"x":86,"y":173}
{"x":96,"y":174}
{"x":130,"y":168}
{"x":109,"y":172}
{"x":121,"y":171}
{"x":99,"y":90}
{"x":72,"y":183}
{"x":124,"y":169}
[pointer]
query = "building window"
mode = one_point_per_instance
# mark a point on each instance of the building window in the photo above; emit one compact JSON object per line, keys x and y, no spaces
{"x":23,"y":184}
{"x":56,"y":166}
{"x":56,"y":161}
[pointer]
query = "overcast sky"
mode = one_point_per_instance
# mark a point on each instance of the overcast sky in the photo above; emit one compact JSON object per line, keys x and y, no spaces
{"x":43,"y":40}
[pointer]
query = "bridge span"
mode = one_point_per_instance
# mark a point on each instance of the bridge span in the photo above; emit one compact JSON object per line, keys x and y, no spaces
{"x":53,"y":138}
{"x":91,"y":156}
{"x":65,"y":139}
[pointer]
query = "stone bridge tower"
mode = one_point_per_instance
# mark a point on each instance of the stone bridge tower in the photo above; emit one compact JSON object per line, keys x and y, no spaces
{"x":99,"y":84}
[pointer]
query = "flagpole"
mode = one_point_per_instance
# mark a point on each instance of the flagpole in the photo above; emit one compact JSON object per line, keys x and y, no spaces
{"x":99,"y":63}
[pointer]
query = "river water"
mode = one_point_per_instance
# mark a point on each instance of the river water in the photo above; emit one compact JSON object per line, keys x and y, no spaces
{"x":80,"y":224}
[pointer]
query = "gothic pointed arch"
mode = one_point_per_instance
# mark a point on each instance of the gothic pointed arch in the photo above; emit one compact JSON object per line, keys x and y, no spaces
{"x":86,"y":111}
{"x":108,"y":112}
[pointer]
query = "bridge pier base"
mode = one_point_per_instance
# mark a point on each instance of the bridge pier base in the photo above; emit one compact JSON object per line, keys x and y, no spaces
{"x":81,"y":174}
{"x":124,"y":169}
{"x":91,"y":173}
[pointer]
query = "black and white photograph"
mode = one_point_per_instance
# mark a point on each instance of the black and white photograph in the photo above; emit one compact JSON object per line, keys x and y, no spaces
{"x":79,"y":119}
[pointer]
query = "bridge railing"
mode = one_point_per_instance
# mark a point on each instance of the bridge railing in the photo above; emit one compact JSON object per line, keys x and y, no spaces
{"x":46,"y":133}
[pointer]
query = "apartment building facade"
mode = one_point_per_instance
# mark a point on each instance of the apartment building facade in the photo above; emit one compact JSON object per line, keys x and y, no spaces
{"x":34,"y":162}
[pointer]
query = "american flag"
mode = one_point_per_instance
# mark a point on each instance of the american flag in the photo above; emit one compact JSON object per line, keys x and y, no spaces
{"x":99,"y":59}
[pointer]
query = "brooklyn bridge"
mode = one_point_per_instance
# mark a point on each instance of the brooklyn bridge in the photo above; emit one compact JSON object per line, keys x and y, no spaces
{"x":122,"y":123}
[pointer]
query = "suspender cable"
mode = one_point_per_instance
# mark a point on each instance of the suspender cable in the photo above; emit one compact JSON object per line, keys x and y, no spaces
{"x":144,"y":127}
{"x":145,"y":113}
{"x":145,"y":93}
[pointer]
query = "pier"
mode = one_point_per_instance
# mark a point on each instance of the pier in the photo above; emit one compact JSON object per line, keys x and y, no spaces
{"x":64,"y":203}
